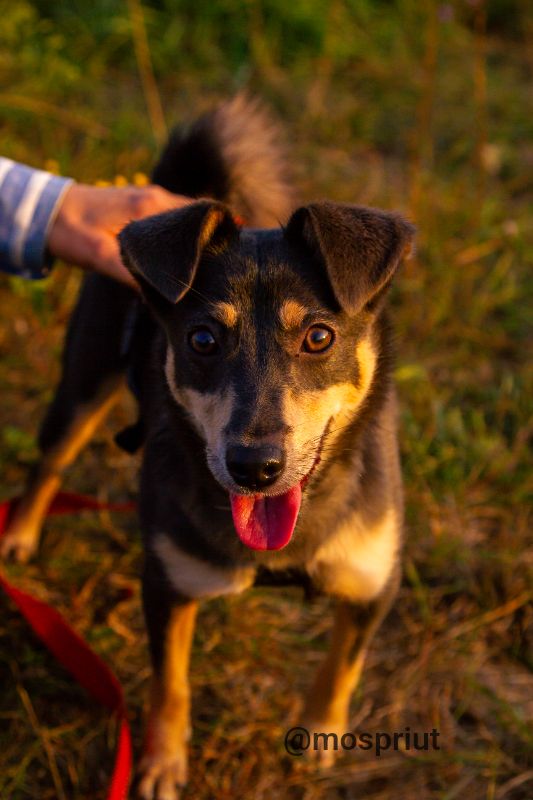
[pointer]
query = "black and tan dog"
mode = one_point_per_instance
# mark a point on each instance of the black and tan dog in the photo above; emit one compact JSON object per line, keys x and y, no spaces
{"x":267,"y":409}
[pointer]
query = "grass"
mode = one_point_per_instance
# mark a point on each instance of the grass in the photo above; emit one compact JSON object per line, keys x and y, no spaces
{"x":420,"y":107}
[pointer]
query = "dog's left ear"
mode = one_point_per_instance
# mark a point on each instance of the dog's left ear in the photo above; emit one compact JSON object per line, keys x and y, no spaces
{"x":163,"y":252}
{"x":360,"y":248}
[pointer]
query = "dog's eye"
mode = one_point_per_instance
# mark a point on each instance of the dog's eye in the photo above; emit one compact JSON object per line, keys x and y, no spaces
{"x":202,"y":341}
{"x":317,"y":339}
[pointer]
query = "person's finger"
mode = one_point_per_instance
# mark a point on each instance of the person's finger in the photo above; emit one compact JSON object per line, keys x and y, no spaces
{"x":139,"y":203}
{"x":113,"y":267}
{"x":117,"y":270}
{"x":167,"y":200}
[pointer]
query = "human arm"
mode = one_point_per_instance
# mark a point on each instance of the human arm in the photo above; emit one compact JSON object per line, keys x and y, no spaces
{"x":43,"y":217}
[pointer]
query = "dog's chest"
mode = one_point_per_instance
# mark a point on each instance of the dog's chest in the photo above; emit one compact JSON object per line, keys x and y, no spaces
{"x":354,"y":562}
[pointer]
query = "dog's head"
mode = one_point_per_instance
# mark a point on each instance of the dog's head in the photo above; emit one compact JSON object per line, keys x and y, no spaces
{"x":272,"y":346}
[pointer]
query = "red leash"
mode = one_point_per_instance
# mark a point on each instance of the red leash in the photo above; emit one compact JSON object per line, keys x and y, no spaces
{"x":70,"y":649}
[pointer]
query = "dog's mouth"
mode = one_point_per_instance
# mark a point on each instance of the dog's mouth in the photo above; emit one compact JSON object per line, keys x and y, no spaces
{"x":267,"y":522}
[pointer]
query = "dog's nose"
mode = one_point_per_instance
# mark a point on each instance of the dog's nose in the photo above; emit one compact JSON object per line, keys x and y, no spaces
{"x":255,"y":467}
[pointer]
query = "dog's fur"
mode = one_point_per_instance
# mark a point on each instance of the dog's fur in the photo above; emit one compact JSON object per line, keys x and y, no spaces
{"x":331,"y":415}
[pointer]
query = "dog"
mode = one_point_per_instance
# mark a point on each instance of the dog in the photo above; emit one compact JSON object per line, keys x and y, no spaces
{"x":261,"y":356}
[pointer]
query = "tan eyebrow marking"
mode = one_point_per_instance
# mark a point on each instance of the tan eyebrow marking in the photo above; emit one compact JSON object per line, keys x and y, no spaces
{"x":291,"y":314}
{"x":226,"y":313}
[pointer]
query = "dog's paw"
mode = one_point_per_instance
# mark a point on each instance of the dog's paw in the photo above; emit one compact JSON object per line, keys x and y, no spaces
{"x":161,"y":777}
{"x":19,"y":543}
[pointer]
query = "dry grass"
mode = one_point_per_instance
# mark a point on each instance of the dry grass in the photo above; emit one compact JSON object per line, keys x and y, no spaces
{"x":456,"y":653}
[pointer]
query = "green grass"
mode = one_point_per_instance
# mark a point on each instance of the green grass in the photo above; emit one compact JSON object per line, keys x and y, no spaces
{"x":416,"y":106}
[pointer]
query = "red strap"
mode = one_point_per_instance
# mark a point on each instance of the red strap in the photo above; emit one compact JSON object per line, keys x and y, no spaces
{"x":70,"y":649}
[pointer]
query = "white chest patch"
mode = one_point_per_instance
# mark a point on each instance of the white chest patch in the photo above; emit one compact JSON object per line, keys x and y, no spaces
{"x":358,"y":560}
{"x":196,"y":578}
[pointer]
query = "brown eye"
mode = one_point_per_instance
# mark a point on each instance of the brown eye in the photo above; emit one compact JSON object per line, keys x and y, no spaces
{"x":202,"y":341}
{"x":317,"y":339}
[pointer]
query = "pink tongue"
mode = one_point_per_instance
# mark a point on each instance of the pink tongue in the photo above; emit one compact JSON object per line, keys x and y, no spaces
{"x":266,"y":523}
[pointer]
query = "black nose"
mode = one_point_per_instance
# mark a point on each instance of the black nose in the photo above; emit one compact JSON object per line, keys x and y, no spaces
{"x":255,"y":467}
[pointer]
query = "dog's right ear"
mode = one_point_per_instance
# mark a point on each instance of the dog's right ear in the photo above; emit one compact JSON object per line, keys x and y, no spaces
{"x":162,"y":252}
{"x":360,"y":248}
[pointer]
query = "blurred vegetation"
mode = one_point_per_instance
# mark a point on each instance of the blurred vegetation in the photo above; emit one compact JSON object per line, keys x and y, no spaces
{"x":422,"y":106}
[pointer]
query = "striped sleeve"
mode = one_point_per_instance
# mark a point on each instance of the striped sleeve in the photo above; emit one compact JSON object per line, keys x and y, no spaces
{"x":29,"y":201}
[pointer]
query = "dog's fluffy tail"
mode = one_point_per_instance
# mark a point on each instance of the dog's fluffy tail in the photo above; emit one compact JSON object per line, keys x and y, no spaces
{"x":234,"y":154}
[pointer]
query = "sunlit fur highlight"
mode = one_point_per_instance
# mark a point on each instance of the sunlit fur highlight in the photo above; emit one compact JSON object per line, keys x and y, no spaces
{"x":225,"y":313}
{"x":291,"y":314}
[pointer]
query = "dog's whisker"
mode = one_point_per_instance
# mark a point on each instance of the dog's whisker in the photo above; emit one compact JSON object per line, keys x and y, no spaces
{"x":174,"y":279}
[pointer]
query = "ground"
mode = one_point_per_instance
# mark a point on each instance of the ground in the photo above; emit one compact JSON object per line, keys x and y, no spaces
{"x":439,"y":127}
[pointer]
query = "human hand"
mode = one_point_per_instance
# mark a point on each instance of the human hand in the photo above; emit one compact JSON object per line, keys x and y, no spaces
{"x":89,"y":219}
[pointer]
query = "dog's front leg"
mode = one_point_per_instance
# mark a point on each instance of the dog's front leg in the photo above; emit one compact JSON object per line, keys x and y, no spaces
{"x":170,"y":621}
{"x":327,"y":706}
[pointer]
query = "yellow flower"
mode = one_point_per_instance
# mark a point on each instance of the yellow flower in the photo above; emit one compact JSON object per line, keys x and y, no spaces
{"x":51,"y":165}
